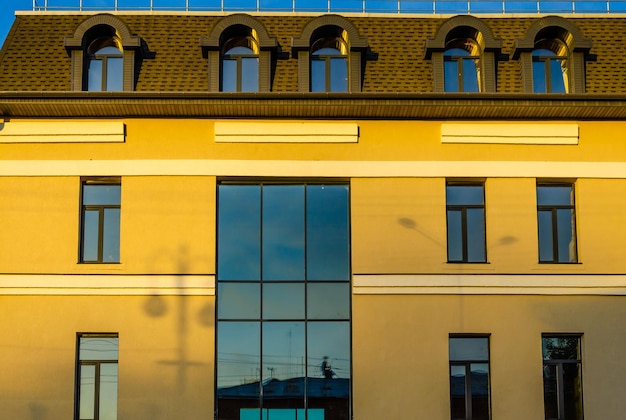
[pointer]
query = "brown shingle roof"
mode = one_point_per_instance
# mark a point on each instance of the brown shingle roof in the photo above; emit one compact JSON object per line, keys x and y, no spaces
{"x":34,"y":59}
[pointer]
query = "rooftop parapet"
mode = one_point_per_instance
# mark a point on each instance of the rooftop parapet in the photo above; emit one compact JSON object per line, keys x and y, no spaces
{"x":439,"y":7}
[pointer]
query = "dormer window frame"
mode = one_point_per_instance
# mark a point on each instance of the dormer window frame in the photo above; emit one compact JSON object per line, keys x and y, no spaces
{"x":464,"y":30}
{"x":565,"y":40}
{"x":323,"y":29}
{"x":103,"y":28}
{"x":235,"y":28}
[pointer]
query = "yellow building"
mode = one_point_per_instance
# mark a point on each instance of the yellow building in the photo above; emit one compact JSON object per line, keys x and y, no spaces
{"x":290,"y":216}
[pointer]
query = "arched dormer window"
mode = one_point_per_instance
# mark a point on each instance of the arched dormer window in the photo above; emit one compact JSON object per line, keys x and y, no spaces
{"x":553,"y":57}
{"x":464,"y":55}
{"x":331,"y":55}
{"x":329,"y":60}
{"x":461,"y":66}
{"x":105,"y":65}
{"x":240,"y":53}
{"x":103,"y":53}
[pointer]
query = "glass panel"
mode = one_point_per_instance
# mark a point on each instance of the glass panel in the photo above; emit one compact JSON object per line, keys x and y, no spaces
{"x":338,"y":74}
{"x":480,"y":391}
{"x":451,"y":75}
{"x":94,"y":75}
{"x":238,"y":361}
{"x":557,"y":76}
{"x":328,"y":242}
{"x":464,"y":195}
{"x":470,"y":75}
{"x":229,"y":75}
{"x":544,"y":221}
{"x":469,"y":348}
{"x":101,"y":194}
{"x":239,"y":238}
{"x":455,"y":235}
{"x":115,"y":71}
{"x":283,"y":300}
{"x":550,"y":392}
{"x":108,"y":391}
{"x":566,"y":236}
{"x":283,"y":364}
{"x":457,"y":391}
{"x":238,"y":300}
{"x":91,"y":220}
{"x":572,"y":388}
{"x":561,"y":348}
{"x":318,"y":75}
{"x":328,"y":301}
{"x":328,"y":362}
{"x":283,"y":232}
{"x":98,"y":348}
{"x":476,"y":235}
{"x":539,"y":76}
{"x":249,"y":74}
{"x":554,"y":195}
{"x":111,"y":233}
{"x":87,"y":392}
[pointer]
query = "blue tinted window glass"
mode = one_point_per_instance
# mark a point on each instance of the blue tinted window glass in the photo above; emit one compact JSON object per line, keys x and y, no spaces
{"x":554,"y":195}
{"x":338,"y":75}
{"x":111,"y":236}
{"x":249,"y":74}
{"x":479,"y":387}
{"x":283,"y":359}
{"x":470,"y":75}
{"x":557,"y":76}
{"x":328,"y":253}
{"x":239,"y":359}
{"x":457,"y":391}
{"x":476,"y":235}
{"x":229,"y":75}
{"x":91,"y":220}
{"x":283,"y":300}
{"x":115,"y":71}
{"x":539,"y":77}
{"x":318,"y":76}
{"x":455,"y":235}
{"x":239,"y":232}
{"x":98,"y":348}
{"x":469,"y":348}
{"x":565,"y":235}
{"x":328,"y":300}
{"x":451,"y":77}
{"x":328,"y":341}
{"x":108,"y":391}
{"x":101,"y":194}
{"x":238,"y":300}
{"x":283,"y":232}
{"x":94,"y":75}
{"x":464,"y":195}
{"x":544,"y":221}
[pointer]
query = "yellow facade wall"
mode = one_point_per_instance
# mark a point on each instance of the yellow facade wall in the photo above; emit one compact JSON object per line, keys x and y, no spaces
{"x":166,"y":354}
{"x":401,"y":362}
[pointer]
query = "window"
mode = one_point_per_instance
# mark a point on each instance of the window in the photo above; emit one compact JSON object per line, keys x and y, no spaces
{"x":96,"y":377}
{"x":550,"y":68}
{"x":240,"y":63}
{"x":556,"y":221}
{"x":105,"y":66}
{"x":462,"y":66}
{"x":464,"y":56}
{"x":329,"y":65}
{"x":331,"y":55}
{"x":100,"y":227}
{"x":465,"y":205}
{"x":283,"y":302}
{"x":562,"y":377}
{"x":469,"y":378}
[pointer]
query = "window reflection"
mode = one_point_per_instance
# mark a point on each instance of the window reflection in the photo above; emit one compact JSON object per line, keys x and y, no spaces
{"x":465,"y":204}
{"x":105,"y":65}
{"x":98,"y":377}
{"x":550,"y":69}
{"x":562,"y":377}
{"x":461,"y":62}
{"x":100,"y":230}
{"x":556,"y":222}
{"x":469,"y":378}
{"x":284,"y":323}
{"x":329,"y":63}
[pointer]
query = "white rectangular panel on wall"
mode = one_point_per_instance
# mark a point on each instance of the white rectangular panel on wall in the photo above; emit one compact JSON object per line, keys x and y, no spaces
{"x":286,"y":132}
{"x":62,"y":132}
{"x":513,"y":133}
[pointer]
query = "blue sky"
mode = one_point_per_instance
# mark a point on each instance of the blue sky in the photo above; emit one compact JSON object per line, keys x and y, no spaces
{"x":7,"y":13}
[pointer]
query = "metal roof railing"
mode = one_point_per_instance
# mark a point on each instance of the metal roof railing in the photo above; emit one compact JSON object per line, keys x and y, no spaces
{"x":345,"y":6}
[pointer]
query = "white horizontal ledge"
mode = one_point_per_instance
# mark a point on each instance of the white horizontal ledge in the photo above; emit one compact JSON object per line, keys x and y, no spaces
{"x":119,"y":285}
{"x":311,"y":168}
{"x":513,"y":133}
{"x":489,"y":284}
{"x":62,"y":132}
{"x":286,"y":132}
